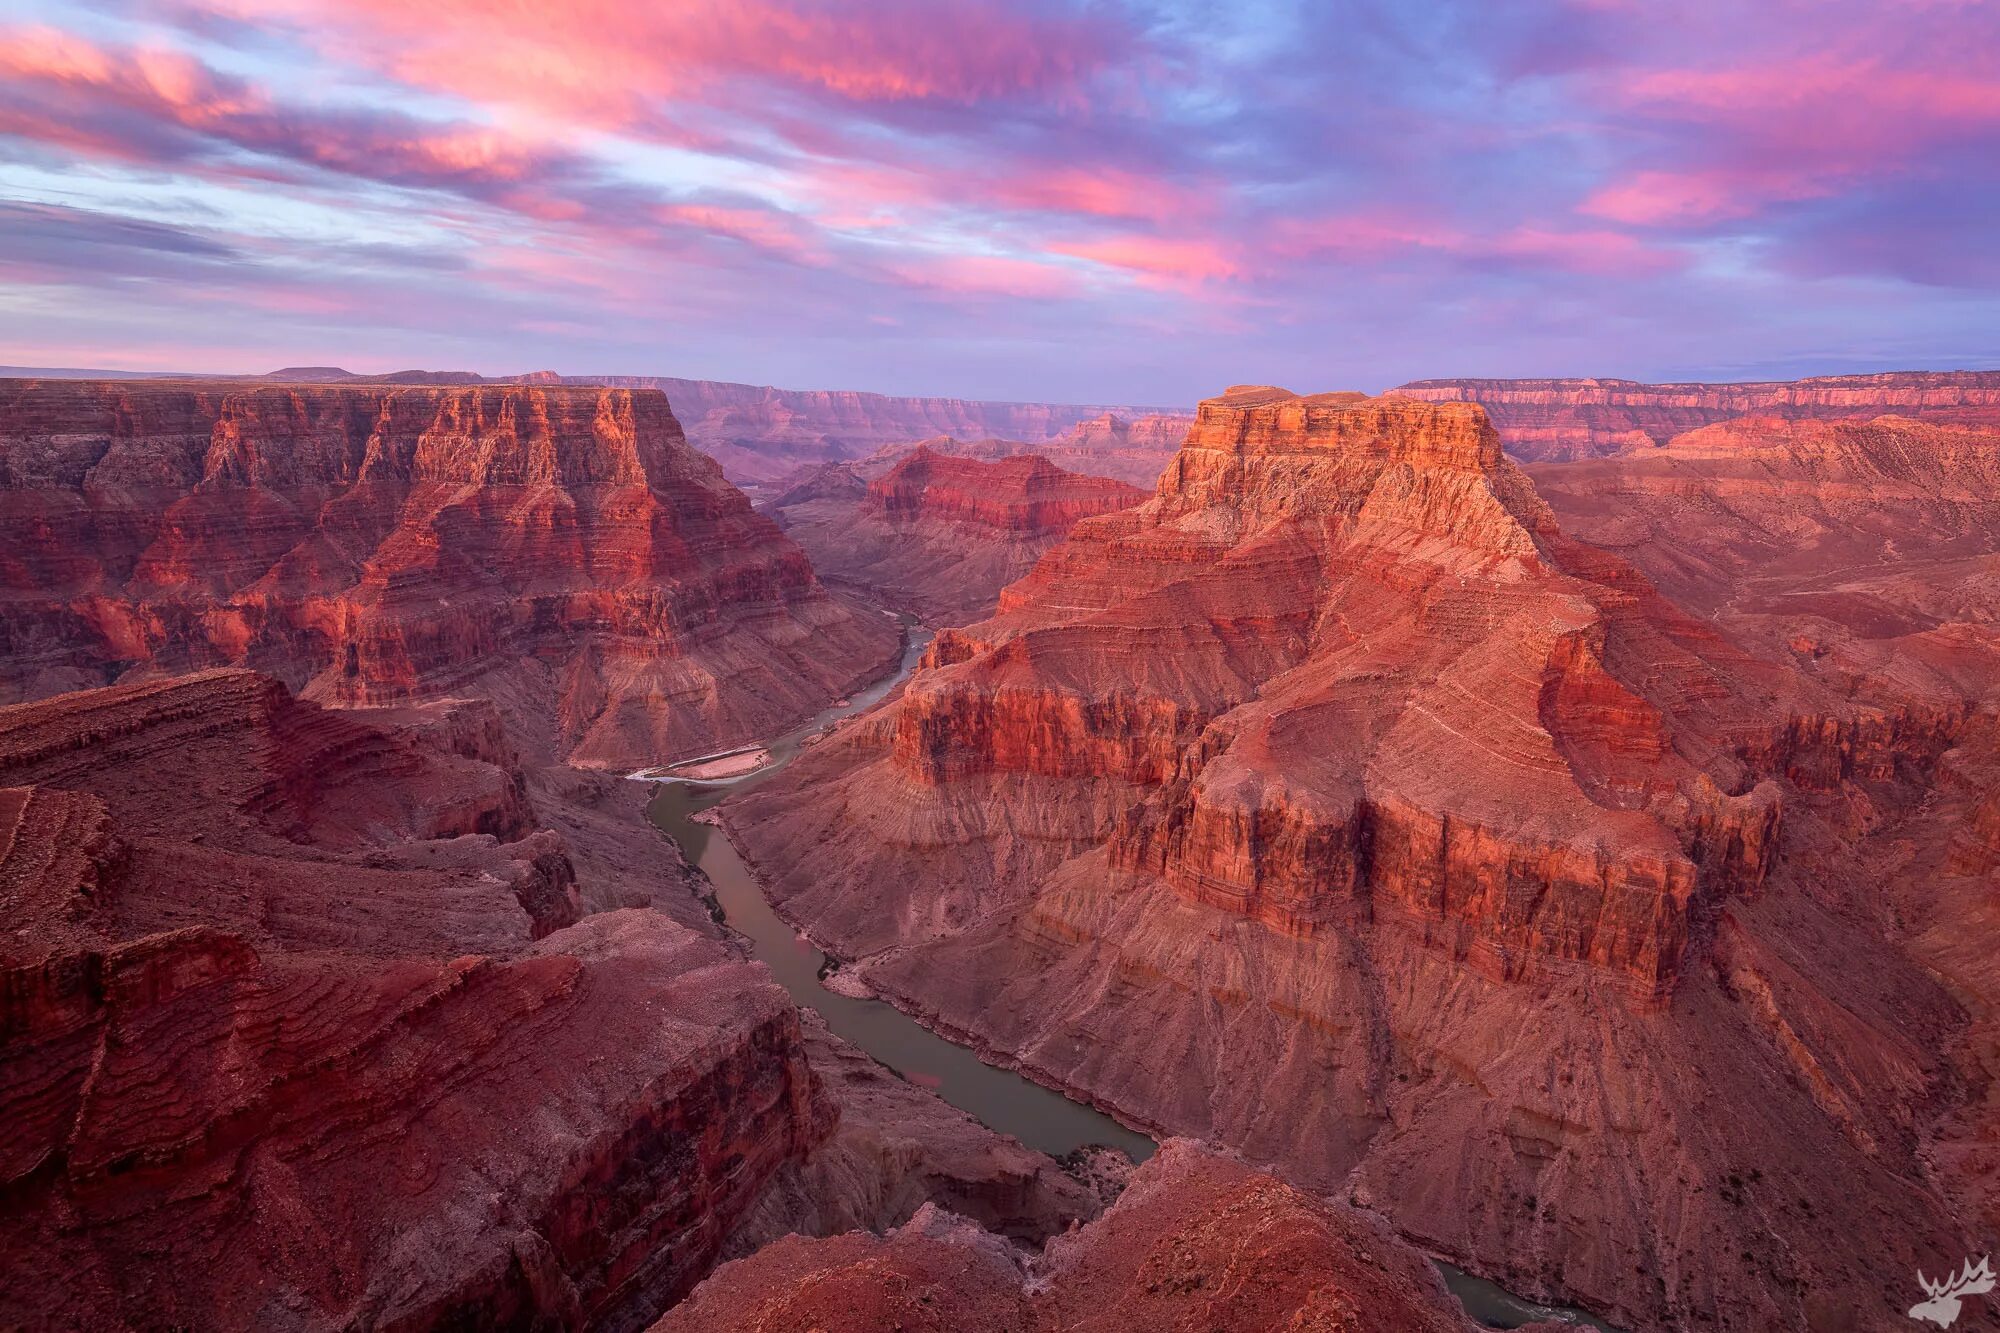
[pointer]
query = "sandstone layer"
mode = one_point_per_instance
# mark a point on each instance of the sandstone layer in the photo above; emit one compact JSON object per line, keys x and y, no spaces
{"x":1548,"y":419}
{"x":937,"y":534}
{"x":563,"y":551}
{"x":1196,"y":1242}
{"x":300,"y":1027}
{"x":1340,"y":805}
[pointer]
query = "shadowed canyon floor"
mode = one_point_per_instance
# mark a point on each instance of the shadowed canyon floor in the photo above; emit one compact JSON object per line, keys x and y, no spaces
{"x":1340,"y":803}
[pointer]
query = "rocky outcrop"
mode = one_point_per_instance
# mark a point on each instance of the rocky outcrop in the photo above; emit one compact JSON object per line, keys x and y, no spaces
{"x":759,"y":433}
{"x":1195,"y":1241}
{"x":1341,"y":805}
{"x":562,"y":551}
{"x":299,"y":1026}
{"x":939,"y":534}
{"x":1550,"y":419}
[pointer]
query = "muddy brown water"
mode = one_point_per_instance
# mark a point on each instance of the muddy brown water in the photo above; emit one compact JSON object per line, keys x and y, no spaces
{"x":1000,"y":1099}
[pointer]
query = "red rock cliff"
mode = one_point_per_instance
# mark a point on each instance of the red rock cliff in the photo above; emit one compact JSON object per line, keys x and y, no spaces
{"x":1583,"y":418}
{"x":1341,"y":805}
{"x":561,"y":549}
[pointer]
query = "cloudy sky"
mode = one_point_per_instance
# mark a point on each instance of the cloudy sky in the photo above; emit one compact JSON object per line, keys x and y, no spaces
{"x":1106,"y":200}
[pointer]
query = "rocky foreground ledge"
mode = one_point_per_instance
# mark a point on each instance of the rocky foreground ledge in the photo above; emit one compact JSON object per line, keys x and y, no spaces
{"x":1195,"y":1241}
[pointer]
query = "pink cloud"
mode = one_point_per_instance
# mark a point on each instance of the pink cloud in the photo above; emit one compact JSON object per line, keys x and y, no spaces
{"x":606,"y":59}
{"x":986,"y":275}
{"x":1161,"y":260}
{"x":768,"y":230}
{"x":1103,"y":192}
{"x":1754,"y":135}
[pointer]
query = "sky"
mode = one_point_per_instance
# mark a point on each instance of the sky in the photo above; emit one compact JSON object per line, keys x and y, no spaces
{"x":1130,"y":201}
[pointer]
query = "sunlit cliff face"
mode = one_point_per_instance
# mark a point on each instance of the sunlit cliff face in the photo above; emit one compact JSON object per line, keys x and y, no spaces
{"x":1098,"y":201}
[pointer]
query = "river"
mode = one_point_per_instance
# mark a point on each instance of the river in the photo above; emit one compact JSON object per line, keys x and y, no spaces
{"x":999,"y":1098}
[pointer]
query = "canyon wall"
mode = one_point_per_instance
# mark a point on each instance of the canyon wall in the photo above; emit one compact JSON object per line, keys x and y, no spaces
{"x":1341,"y":804}
{"x":300,"y":1026}
{"x":759,"y":433}
{"x":1550,"y":419}
{"x":940,"y":534}
{"x":563,"y":551}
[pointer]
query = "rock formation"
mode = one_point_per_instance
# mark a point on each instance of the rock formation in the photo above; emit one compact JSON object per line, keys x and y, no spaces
{"x":299,"y":1026}
{"x":938,"y":534}
{"x":1551,"y":419}
{"x":1340,"y":805}
{"x":1196,"y":1241}
{"x":561,"y":550}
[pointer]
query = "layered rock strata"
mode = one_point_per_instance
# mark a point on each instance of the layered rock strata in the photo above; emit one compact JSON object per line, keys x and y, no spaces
{"x":1551,"y":419}
{"x":300,"y":1027}
{"x":938,"y":534}
{"x":1339,"y":805}
{"x":560,"y":550}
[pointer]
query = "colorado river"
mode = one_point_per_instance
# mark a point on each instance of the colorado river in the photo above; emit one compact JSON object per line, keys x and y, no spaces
{"x":1001,"y":1099}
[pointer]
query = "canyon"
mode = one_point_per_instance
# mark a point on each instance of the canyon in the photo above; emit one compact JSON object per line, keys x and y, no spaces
{"x":939,"y":534}
{"x":1550,"y":419}
{"x":1577,"y":871}
{"x":562,"y":550}
{"x":1544,"y":871}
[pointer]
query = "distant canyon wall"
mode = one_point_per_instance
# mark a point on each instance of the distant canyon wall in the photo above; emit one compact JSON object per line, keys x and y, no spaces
{"x":562,"y":550}
{"x":940,"y":534}
{"x":759,"y":433}
{"x":1554,"y":419}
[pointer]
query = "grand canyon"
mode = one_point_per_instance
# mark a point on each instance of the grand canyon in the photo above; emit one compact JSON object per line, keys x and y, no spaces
{"x":1063,"y":666}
